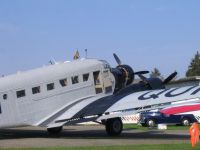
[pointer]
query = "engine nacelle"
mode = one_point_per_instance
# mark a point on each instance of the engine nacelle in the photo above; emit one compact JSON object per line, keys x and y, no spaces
{"x":155,"y":83}
{"x":124,"y":76}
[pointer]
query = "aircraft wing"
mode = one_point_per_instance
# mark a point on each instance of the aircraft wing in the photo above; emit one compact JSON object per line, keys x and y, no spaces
{"x":120,"y":105}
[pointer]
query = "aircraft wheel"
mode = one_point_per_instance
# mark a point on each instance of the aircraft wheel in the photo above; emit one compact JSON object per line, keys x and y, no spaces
{"x":144,"y":124}
{"x":114,"y":126}
{"x":56,"y":130}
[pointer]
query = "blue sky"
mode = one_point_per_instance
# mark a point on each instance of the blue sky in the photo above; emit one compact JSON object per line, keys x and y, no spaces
{"x":145,"y":34}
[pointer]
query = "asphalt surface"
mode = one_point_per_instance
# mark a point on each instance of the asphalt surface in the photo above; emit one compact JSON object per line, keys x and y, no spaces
{"x":78,"y":136}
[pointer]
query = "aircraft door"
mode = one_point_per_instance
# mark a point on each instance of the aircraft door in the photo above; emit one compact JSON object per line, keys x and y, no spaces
{"x":3,"y":102}
{"x":97,"y":82}
{"x":107,"y":82}
{"x":0,"y":108}
{"x":8,"y":110}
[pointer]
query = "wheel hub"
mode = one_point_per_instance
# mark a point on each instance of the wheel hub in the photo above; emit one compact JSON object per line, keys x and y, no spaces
{"x":116,"y":126}
{"x":186,"y":122}
{"x":151,"y":123}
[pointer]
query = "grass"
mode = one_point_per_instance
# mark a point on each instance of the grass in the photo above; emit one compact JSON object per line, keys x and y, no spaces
{"x":169,"y":127}
{"x":128,"y":147}
{"x":131,"y":147}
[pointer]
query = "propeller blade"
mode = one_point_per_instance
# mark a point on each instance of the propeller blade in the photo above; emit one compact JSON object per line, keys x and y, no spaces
{"x":143,"y":78}
{"x":170,"y":77}
{"x":141,"y":72}
{"x":117,"y":59}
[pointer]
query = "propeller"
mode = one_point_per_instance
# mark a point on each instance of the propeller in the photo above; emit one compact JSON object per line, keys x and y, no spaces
{"x":117,"y":59}
{"x":124,"y":74}
{"x":170,"y":77}
{"x":141,"y":72}
{"x":156,"y":83}
{"x":119,"y":62}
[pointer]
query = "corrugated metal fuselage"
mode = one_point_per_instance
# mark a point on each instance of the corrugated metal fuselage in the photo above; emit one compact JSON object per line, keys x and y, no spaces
{"x":21,"y":104}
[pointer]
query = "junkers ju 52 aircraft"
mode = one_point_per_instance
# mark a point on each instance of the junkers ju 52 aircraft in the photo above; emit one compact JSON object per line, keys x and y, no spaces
{"x":80,"y":91}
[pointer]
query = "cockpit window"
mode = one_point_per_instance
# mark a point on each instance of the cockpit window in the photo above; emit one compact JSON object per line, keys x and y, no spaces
{"x":106,"y":64}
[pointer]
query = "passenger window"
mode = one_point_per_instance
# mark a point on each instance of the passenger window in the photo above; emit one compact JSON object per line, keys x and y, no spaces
{"x":36,"y":90}
{"x":21,"y":93}
{"x":75,"y":80}
{"x":5,"y":96}
{"x":85,"y":77}
{"x":50,"y":86}
{"x":63,"y":82}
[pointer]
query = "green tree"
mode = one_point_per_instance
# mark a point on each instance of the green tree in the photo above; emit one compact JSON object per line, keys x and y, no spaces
{"x":155,"y":73}
{"x":194,"y":67}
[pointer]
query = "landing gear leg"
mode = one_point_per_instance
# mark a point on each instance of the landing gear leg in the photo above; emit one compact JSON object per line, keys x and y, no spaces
{"x":114,"y":126}
{"x":55,"y":130}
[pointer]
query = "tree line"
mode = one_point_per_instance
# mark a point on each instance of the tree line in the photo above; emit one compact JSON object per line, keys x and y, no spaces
{"x":193,"y":68}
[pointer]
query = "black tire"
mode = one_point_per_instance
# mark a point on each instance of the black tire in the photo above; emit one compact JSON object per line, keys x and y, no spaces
{"x":185,"y":122}
{"x":143,"y":124}
{"x":114,"y":126}
{"x":151,"y":123}
{"x":56,"y":130}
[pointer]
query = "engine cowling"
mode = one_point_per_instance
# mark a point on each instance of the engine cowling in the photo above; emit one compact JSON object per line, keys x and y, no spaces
{"x":124,"y":76}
